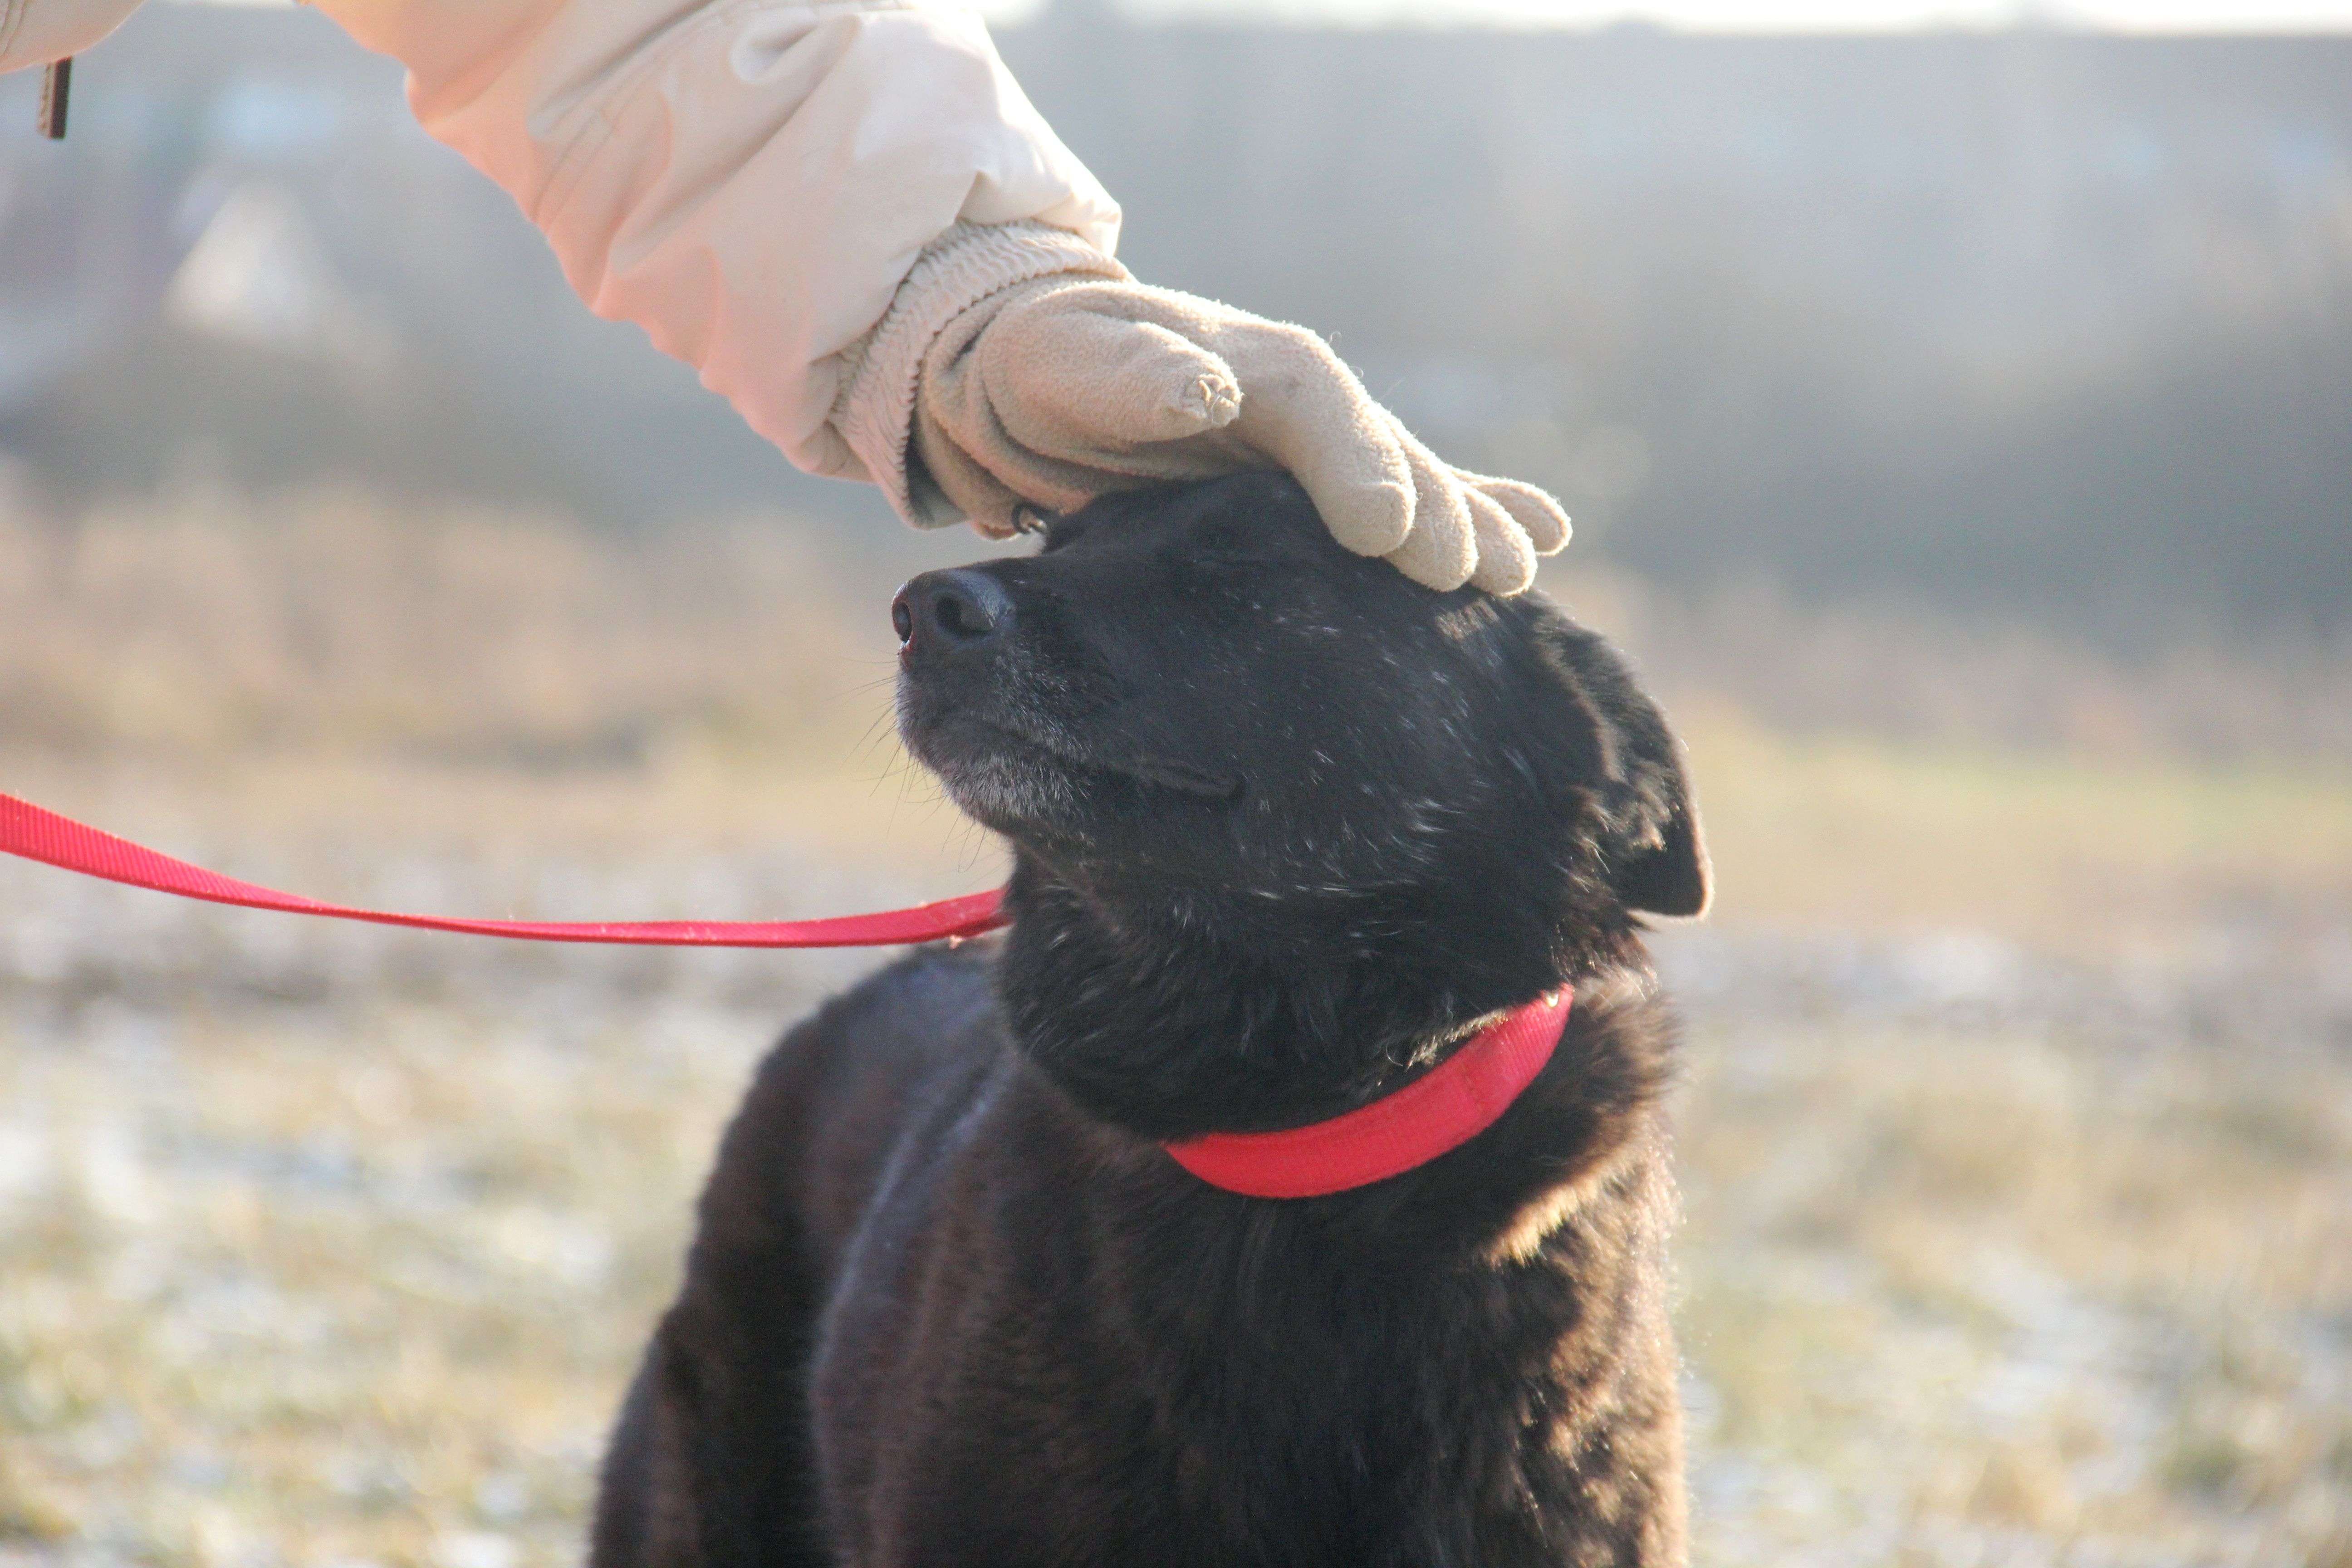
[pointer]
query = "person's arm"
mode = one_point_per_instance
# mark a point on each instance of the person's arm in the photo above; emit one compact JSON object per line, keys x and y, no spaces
{"x":749,"y":182}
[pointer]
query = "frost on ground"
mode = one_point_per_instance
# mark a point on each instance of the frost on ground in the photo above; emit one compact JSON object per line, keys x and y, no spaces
{"x":334,"y":1245}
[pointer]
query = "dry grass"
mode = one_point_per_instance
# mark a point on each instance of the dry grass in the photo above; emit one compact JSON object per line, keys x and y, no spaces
{"x":334,"y":1292}
{"x":2188,"y":690}
{"x":2015,"y":1142}
{"x":208,"y":624}
{"x":2084,"y":853}
{"x":1969,"y":1291}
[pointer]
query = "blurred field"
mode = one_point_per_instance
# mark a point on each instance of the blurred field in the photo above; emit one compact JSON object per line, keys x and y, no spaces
{"x":2017,"y":1135}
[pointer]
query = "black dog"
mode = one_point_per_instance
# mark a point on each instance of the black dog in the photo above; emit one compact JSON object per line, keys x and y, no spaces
{"x":1288,"y":829}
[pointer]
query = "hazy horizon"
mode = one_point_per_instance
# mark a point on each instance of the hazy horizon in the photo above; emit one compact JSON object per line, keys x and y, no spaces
{"x":2170,"y":16}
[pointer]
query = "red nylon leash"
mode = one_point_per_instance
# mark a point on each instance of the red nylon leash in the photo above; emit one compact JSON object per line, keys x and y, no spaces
{"x":33,"y":834}
{"x":1439,"y":1112}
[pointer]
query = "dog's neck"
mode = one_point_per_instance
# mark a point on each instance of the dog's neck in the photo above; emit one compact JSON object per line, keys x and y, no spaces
{"x":1541,"y":1249}
{"x":1149,"y":1022}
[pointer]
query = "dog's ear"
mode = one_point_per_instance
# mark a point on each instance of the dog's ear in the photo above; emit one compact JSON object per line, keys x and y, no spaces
{"x":1670,"y":875}
{"x":1611,"y":749}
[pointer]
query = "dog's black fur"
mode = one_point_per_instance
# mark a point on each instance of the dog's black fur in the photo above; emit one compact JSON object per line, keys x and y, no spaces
{"x":1287,"y":828}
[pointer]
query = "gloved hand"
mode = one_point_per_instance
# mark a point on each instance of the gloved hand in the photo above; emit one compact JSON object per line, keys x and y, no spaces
{"x":1057,"y":390}
{"x":1073,"y":381}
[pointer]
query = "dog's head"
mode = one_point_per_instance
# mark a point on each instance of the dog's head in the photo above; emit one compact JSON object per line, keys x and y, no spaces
{"x":1225,"y":748}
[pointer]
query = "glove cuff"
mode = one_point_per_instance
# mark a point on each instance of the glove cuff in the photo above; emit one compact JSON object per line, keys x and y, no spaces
{"x":971,"y":262}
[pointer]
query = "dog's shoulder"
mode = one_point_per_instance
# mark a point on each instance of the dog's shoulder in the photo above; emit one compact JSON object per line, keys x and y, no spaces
{"x":922,"y":1003}
{"x":830,"y":1103}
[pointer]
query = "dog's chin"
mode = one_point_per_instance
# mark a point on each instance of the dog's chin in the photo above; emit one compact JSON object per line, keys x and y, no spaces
{"x":997,"y":778}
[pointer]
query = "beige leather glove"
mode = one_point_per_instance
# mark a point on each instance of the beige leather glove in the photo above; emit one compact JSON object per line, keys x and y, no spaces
{"x":1061,"y":387}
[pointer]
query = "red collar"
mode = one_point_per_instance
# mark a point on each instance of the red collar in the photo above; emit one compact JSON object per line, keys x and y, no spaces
{"x":1435,"y":1113}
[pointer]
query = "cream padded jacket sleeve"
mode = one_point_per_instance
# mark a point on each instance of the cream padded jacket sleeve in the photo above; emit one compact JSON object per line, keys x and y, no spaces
{"x":749,"y":181}
{"x":35,"y":32}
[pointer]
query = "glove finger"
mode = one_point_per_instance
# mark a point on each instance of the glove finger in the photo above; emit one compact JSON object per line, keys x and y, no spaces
{"x":1078,"y":384}
{"x":1306,"y":411}
{"x":1542,"y":517}
{"x":1441,"y":550}
{"x":1506,"y":561}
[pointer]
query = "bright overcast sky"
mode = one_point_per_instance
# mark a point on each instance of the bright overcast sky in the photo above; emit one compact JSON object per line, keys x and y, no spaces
{"x":1748,"y":16}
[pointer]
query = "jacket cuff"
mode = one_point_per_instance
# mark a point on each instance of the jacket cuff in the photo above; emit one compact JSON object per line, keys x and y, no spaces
{"x":963,"y":268}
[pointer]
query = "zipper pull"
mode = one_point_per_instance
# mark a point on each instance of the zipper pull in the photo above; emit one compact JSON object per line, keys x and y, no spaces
{"x":57,"y":85}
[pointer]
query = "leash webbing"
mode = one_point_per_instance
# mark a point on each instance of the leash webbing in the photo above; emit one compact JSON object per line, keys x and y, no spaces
{"x":29,"y":832}
{"x":1438,"y":1113}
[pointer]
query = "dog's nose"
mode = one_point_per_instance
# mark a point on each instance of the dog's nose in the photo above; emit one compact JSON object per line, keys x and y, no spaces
{"x":947,"y":610}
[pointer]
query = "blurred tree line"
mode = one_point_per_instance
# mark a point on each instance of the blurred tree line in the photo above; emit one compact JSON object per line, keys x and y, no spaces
{"x":2052,"y":322}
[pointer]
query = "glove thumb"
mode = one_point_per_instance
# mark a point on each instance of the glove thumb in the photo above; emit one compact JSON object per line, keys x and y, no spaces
{"x":1072,"y":381}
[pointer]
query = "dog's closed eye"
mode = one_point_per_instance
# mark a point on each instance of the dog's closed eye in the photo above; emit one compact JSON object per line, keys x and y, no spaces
{"x":1167,"y":772}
